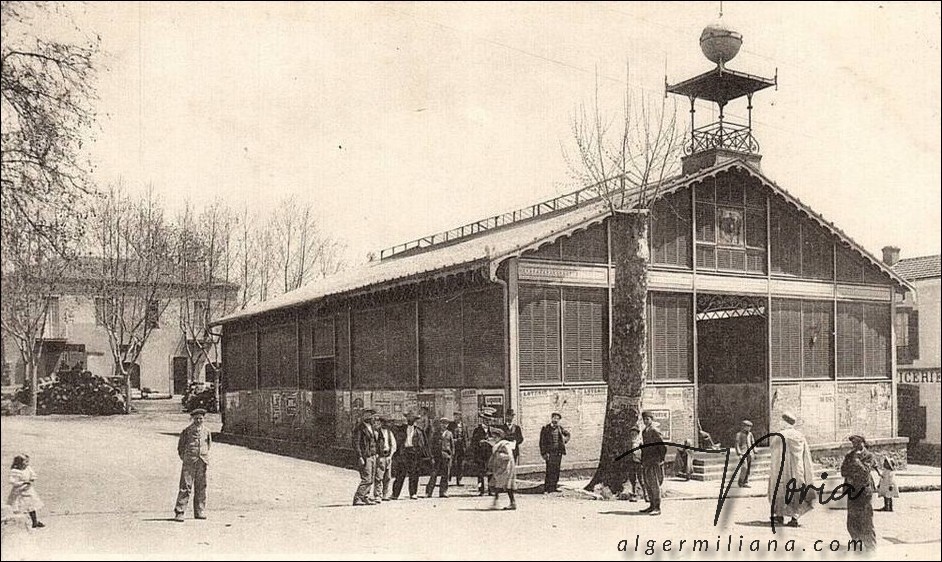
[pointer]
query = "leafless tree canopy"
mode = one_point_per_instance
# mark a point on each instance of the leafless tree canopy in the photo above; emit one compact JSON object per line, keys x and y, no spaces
{"x":47,"y":107}
{"x":627,"y":151}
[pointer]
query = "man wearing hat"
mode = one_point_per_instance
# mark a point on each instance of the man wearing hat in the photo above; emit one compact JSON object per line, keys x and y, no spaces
{"x":744,"y":443}
{"x":193,"y":449}
{"x":442,"y":452}
{"x":794,"y":458}
{"x":652,"y":462}
{"x":412,"y":449}
{"x":553,"y":439}
{"x":461,"y":444}
{"x":365,"y":445}
{"x":481,"y":449}
{"x":513,"y":432}
{"x":385,"y":449}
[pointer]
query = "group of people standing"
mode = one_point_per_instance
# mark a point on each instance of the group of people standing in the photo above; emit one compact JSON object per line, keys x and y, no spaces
{"x":794,"y":458}
{"x":393,"y":453}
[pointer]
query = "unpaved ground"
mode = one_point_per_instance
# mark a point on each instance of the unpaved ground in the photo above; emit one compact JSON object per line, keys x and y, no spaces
{"x":109,"y":486}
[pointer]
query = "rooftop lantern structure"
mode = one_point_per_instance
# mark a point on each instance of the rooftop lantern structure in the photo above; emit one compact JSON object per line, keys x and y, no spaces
{"x":723,"y":140}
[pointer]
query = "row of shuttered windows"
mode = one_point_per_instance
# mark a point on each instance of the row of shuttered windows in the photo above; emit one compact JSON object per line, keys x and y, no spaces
{"x":563,"y":339}
{"x":731,"y":235}
{"x":803,"y":338}
{"x":448,"y":342}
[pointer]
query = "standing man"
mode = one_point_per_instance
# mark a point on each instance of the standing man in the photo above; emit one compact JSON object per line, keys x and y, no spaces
{"x":412,"y":450}
{"x":744,"y":443}
{"x":365,"y":446}
{"x":513,"y":433}
{"x":193,"y":449}
{"x":461,"y":443}
{"x":635,"y":470}
{"x":385,"y":449}
{"x":652,"y":457}
{"x":794,"y":458}
{"x":444,"y":450}
{"x":553,"y":439}
{"x":482,"y":453}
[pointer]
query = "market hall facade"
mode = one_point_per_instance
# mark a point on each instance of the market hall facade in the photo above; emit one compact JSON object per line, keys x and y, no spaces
{"x":755,"y":305}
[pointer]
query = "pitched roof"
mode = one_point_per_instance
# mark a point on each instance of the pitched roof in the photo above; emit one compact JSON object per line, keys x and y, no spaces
{"x":491,"y":247}
{"x":919,"y":268}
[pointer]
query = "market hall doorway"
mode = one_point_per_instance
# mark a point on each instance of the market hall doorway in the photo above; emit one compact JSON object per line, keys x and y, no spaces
{"x":732,"y":336}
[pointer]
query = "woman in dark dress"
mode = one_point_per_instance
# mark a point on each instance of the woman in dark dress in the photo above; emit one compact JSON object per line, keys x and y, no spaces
{"x":856,"y":472}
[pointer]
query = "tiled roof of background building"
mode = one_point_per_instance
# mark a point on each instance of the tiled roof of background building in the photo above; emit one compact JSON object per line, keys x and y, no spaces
{"x":919,"y":268}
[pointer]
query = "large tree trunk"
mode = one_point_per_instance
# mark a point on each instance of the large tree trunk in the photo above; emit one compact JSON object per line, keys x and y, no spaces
{"x":628,"y":364}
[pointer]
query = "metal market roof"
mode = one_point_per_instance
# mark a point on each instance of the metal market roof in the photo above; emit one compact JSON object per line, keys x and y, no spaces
{"x":922,"y":267}
{"x":489,"y":248}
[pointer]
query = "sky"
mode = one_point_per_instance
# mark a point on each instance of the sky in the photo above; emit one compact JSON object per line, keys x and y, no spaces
{"x":399,"y":120}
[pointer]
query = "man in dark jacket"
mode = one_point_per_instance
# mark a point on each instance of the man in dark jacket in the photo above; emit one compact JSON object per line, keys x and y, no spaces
{"x":412,"y":450}
{"x":442,"y":453}
{"x":652,"y":457}
{"x":461,"y":443}
{"x":364,"y":445}
{"x":482,"y":453}
{"x":513,"y":433}
{"x":553,"y":439}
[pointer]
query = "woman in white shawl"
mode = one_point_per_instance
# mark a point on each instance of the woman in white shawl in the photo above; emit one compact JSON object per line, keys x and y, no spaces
{"x":504,"y":469}
{"x":796,"y":466}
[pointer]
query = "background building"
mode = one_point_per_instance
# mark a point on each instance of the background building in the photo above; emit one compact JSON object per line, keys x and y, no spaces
{"x":919,"y":324}
{"x":75,"y":336}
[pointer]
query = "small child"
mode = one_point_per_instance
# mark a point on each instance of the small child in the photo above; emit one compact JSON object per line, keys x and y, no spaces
{"x":887,"y":488}
{"x":23,"y":497}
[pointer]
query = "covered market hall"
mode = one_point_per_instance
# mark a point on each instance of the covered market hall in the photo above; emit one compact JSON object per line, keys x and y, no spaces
{"x":755,"y":305}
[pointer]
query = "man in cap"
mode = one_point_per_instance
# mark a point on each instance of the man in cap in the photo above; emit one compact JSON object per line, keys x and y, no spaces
{"x":193,"y":449}
{"x":365,"y":445}
{"x":385,"y":449}
{"x":461,"y":443}
{"x":791,"y":462}
{"x":553,"y":439}
{"x":482,"y":451}
{"x":442,"y":453}
{"x":744,"y":443}
{"x":412,"y":450}
{"x":513,"y":432}
{"x":652,"y":459}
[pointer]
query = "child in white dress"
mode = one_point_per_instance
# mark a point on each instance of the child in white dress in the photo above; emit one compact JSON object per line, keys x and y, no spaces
{"x":887,"y":488}
{"x":23,"y":497}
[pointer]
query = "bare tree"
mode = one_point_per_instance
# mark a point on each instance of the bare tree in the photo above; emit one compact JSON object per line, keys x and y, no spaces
{"x":302,"y":251}
{"x":33,"y":263}
{"x":627,"y":158}
{"x":205,"y":263}
{"x":46,"y":97}
{"x":135,"y":273}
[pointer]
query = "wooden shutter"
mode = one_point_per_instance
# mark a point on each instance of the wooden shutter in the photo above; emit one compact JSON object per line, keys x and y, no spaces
{"x":670,"y":230}
{"x":817,"y":257}
{"x":483,"y":338}
{"x":238,"y":360}
{"x":850,"y":268}
{"x":785,"y":244}
{"x":323,"y":337}
{"x":817,"y":321}
{"x":785,"y":344}
{"x":670,"y":335}
{"x":913,"y":335}
{"x":876,"y":339}
{"x":584,"y":335}
{"x":850,"y":340}
{"x":278,"y":356}
{"x":589,"y":245}
{"x":539,"y":335}
{"x":441,"y":342}
{"x":368,"y":348}
{"x":343,"y":369}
